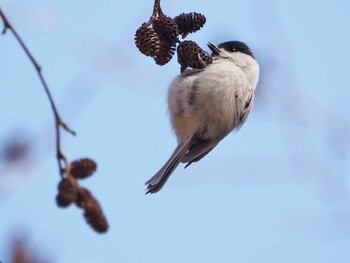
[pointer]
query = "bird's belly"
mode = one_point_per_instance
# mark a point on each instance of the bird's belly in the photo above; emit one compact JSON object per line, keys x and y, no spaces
{"x":208,"y":107}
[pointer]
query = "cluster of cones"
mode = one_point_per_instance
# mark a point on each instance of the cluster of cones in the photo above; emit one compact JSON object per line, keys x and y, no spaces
{"x":158,"y":39}
{"x":69,"y":191}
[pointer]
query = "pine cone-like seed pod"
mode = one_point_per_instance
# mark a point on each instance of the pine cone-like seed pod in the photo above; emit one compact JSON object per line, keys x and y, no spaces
{"x":189,"y":23}
{"x":189,"y":54}
{"x":165,"y":54}
{"x":167,"y":30}
{"x":83,"y":168}
{"x":147,"y":41}
{"x":83,"y":197}
{"x":63,"y":201}
{"x":95,"y":218}
{"x":67,"y":192}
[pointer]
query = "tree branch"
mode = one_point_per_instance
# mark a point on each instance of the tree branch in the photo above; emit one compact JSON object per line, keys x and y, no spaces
{"x":157,"y":12}
{"x":59,"y":123}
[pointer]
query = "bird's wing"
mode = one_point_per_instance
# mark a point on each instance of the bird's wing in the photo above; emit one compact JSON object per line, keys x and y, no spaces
{"x":198,"y":150}
{"x":247,"y":108}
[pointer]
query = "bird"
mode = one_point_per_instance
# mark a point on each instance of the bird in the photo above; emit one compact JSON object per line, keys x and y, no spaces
{"x":205,"y":105}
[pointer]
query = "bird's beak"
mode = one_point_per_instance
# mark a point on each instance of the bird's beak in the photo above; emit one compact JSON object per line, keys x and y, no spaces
{"x":214,"y":48}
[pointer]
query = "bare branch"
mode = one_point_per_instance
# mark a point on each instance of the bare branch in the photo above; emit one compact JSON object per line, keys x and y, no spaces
{"x":84,"y":167}
{"x":58,"y":120}
{"x":157,"y":11}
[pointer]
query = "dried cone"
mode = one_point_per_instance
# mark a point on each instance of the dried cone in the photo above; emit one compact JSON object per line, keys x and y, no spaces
{"x":165,"y":54}
{"x":67,"y":192}
{"x":63,"y":201}
{"x":83,"y":197}
{"x":189,"y":23}
{"x":189,"y":54}
{"x":167,"y":30}
{"x":147,"y":41}
{"x":95,"y":218}
{"x":83,"y":168}
{"x":92,"y":210}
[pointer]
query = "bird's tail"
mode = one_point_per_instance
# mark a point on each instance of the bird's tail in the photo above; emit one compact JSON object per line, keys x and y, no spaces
{"x":159,"y":179}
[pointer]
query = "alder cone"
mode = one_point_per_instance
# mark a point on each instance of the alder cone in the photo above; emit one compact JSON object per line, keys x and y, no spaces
{"x":83,"y":197}
{"x":147,"y":41}
{"x":96,"y":219}
{"x":165,"y":54}
{"x":167,"y":30}
{"x":67,"y":192}
{"x":63,"y":201}
{"x":189,"y":54}
{"x":189,"y":23}
{"x":94,"y":215}
{"x":83,"y":168}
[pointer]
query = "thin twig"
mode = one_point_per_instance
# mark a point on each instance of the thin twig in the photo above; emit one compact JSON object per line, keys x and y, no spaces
{"x":157,"y":12}
{"x":58,"y":120}
{"x":157,"y":9}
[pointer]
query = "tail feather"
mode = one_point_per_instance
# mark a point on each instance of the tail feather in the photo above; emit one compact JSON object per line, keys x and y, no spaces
{"x":160,"y":178}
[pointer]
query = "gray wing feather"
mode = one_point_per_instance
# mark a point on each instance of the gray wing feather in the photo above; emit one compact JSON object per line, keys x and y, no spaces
{"x":247,"y":108}
{"x":198,"y":150}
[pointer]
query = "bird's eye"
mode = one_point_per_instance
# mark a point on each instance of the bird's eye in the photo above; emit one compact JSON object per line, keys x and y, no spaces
{"x":233,"y":49}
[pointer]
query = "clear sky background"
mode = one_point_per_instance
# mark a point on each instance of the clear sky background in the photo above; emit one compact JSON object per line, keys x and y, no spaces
{"x":276,"y":191}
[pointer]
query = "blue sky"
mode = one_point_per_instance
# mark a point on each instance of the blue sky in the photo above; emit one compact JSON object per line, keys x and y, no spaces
{"x":276,"y":191}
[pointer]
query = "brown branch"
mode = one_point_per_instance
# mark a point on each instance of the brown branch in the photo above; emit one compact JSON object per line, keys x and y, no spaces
{"x":69,"y":189}
{"x":58,"y":120}
{"x":157,"y":9}
{"x":157,"y":12}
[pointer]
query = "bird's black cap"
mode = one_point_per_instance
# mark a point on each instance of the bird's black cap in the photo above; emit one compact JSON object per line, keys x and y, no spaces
{"x":236,"y":46}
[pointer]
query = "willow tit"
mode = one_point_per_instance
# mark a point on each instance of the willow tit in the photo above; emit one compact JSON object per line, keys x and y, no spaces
{"x":206,"y":105}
